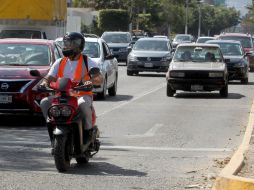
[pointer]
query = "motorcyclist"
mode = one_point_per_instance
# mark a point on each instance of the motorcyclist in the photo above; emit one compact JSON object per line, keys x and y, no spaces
{"x":75,"y":66}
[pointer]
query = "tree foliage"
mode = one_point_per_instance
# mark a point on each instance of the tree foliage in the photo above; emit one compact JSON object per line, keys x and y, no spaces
{"x":168,"y":16}
{"x":113,"y":20}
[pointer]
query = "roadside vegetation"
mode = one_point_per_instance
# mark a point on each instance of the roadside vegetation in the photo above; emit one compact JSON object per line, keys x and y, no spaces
{"x":161,"y":16}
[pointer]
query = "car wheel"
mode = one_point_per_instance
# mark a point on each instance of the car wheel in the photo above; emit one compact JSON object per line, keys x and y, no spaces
{"x":170,"y":91}
{"x":224,"y":91}
{"x":136,"y":72}
{"x":129,"y":73}
{"x":102,"y":95}
{"x":112,"y":90}
{"x":245,"y":80}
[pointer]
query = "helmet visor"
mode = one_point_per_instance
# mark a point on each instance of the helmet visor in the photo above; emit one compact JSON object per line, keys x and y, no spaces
{"x":71,"y":44}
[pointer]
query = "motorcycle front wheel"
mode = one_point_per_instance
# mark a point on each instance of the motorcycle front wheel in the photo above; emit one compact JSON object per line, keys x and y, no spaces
{"x":61,"y":153}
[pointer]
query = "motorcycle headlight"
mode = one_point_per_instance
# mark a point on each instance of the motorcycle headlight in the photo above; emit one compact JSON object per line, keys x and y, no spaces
{"x":54,"y":111}
{"x":216,"y":74}
{"x":66,"y":111}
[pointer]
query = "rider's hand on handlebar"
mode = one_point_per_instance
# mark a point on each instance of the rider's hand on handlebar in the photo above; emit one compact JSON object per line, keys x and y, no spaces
{"x":43,"y":85}
{"x":88,"y":83}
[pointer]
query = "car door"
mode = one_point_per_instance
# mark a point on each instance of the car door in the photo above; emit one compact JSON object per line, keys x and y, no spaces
{"x":108,"y":64}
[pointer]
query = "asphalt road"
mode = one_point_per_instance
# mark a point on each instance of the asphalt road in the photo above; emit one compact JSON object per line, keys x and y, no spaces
{"x":149,"y":141}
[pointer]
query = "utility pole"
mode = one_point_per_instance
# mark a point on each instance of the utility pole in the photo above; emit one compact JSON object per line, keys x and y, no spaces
{"x":186,"y":16}
{"x":199,"y":16}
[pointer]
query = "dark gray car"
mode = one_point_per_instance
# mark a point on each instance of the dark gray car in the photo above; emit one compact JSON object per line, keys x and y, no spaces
{"x":118,"y":43}
{"x":149,"y":54}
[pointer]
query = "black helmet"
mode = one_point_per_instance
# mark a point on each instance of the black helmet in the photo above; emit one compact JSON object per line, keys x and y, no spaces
{"x":73,"y":44}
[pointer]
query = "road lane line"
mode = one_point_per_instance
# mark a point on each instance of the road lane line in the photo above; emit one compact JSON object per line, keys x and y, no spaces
{"x":134,"y":99}
{"x":23,"y":144}
{"x":150,"y":133}
{"x":166,"y":149}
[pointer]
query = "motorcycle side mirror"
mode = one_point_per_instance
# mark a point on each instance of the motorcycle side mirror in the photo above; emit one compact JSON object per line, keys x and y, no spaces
{"x":35,"y":73}
{"x":94,"y":71}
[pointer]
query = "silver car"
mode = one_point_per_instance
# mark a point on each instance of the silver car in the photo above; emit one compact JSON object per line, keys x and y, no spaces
{"x":149,"y":54}
{"x":97,"y":49}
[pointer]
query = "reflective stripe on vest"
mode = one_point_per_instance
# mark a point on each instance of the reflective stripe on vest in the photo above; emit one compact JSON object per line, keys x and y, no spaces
{"x":77,"y":76}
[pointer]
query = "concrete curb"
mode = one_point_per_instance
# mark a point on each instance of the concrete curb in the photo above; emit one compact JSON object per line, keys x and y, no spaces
{"x":227,"y":179}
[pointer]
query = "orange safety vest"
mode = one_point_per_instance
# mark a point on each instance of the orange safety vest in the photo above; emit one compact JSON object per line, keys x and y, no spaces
{"x":77,"y":76}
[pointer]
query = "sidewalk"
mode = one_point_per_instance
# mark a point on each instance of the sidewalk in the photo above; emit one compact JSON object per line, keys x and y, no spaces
{"x":239,"y":172}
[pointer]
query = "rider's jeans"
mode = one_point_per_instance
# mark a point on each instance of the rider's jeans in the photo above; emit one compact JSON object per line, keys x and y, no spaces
{"x":85,"y":107}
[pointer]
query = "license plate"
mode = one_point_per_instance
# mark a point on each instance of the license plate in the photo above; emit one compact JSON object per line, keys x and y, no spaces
{"x":5,"y":99}
{"x":197,"y":87}
{"x":148,"y":64}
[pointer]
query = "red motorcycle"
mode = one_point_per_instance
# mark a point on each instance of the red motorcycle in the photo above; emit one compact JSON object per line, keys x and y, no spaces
{"x":67,"y":126}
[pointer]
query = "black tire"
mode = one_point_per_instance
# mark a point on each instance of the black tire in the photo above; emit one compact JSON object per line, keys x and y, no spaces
{"x":245,"y":80}
{"x":136,"y":72}
{"x":61,"y":153}
{"x":83,"y":160}
{"x":112,"y":90}
{"x":224,"y":91}
{"x":129,"y":73}
{"x":170,"y":91}
{"x":102,"y":95}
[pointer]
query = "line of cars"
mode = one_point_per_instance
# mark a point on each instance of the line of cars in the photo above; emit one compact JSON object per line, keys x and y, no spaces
{"x":210,"y":64}
{"x":155,"y":54}
{"x":18,"y":56}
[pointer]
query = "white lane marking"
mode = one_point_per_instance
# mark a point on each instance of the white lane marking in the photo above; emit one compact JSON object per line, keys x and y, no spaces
{"x":134,"y":99}
{"x":150,"y":133}
{"x":23,"y":144}
{"x":167,"y":149}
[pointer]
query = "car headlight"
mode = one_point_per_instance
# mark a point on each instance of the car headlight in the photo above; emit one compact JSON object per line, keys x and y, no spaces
{"x":177,"y":74}
{"x":123,"y":50}
{"x":54,"y":111}
{"x":216,"y":74}
{"x":167,"y":58}
{"x":132,"y":57}
{"x":239,"y":64}
{"x":66,"y":111}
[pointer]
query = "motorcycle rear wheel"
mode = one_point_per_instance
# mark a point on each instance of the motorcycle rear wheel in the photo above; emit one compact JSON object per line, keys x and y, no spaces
{"x":61,"y":153}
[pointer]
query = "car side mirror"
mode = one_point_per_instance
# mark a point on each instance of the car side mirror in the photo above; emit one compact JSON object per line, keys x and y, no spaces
{"x":108,"y":57}
{"x":35,"y":73}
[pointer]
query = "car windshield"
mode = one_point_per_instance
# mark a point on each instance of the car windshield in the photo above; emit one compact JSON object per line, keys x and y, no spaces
{"x":197,"y":54}
{"x":203,"y":40}
{"x":24,"y":54}
{"x":231,"y":49}
{"x":180,"y":38}
{"x":151,"y":45}
{"x":245,"y":41}
{"x":116,"y":38}
{"x":20,"y":34}
{"x":92,"y":49}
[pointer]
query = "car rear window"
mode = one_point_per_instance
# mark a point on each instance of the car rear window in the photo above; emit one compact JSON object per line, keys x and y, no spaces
{"x":151,"y":45}
{"x":245,"y":41}
{"x":92,"y":49}
{"x":24,"y":54}
{"x":116,"y":38}
{"x":197,"y":54}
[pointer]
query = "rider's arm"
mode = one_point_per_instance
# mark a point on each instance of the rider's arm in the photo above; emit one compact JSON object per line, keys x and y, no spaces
{"x":51,"y":76}
{"x":47,"y":80}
